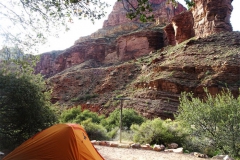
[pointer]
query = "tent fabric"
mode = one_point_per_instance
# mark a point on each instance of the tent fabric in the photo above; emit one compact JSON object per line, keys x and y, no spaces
{"x":59,"y":142}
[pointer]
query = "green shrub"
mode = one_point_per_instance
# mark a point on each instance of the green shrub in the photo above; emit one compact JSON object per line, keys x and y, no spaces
{"x":158,"y":131}
{"x":129,"y":117}
{"x":69,"y":115}
{"x":214,"y":122}
{"x":94,"y":131}
{"x":76,"y":115}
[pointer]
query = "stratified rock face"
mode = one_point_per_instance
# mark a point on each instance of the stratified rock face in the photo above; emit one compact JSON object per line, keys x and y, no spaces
{"x":137,"y":44}
{"x":162,"y":11}
{"x":211,"y":16}
{"x":96,"y":50}
{"x":180,"y":29}
{"x":102,"y":50}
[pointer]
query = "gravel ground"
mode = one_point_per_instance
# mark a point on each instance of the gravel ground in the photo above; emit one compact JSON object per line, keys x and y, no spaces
{"x":112,"y":153}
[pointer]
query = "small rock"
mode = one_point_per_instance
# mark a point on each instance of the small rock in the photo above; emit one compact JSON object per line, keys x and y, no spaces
{"x":146,"y":147}
{"x":178,"y":150}
{"x":103,"y":143}
{"x":200,"y":155}
{"x":124,"y":146}
{"x":222,"y":157}
{"x":113,"y":145}
{"x":158,"y":147}
{"x":136,"y":145}
{"x":173,"y":146}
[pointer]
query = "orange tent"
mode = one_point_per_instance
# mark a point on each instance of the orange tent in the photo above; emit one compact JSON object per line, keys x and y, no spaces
{"x":59,"y":142}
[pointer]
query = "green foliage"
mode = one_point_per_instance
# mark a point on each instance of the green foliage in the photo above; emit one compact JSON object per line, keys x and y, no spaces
{"x":69,"y":115}
{"x":142,"y":11}
{"x":76,"y":115}
{"x":214,"y":122}
{"x":129,"y":117}
{"x":25,"y":106}
{"x":158,"y":131}
{"x":94,"y":131}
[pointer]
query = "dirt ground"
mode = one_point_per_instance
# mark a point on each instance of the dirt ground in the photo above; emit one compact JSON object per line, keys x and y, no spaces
{"x":113,"y":153}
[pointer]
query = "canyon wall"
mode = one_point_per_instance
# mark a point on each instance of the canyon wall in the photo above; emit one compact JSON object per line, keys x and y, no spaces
{"x":204,"y":19}
{"x":120,"y":39}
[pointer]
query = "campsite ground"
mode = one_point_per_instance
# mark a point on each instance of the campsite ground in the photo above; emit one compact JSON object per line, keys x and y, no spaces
{"x":112,"y":153}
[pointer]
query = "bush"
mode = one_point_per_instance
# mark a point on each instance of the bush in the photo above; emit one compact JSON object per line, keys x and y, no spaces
{"x":158,"y":131}
{"x":129,"y":117}
{"x":76,"y":115}
{"x":214,"y":122}
{"x":94,"y":131}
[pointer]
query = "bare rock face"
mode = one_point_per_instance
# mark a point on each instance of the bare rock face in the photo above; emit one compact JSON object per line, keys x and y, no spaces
{"x":96,"y":50}
{"x":205,"y":18}
{"x":211,"y":16}
{"x":180,"y":29}
{"x":137,"y":44}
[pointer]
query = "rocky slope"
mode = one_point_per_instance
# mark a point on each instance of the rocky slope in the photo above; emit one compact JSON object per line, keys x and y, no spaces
{"x":154,"y":82}
{"x":131,"y":59}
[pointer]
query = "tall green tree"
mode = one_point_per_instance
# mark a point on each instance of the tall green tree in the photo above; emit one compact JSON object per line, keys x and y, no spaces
{"x":25,"y":107}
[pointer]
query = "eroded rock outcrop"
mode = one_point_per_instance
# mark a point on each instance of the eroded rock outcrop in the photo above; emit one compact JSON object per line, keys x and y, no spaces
{"x":212,"y":16}
{"x":180,"y":29}
{"x":205,"y":18}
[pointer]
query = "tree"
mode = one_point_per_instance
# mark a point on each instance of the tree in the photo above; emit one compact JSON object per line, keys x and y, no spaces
{"x":25,"y":107}
{"x":214,"y":121}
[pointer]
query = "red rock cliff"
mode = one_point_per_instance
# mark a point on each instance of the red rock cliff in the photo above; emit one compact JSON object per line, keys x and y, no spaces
{"x":162,"y":11}
{"x":115,"y":42}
